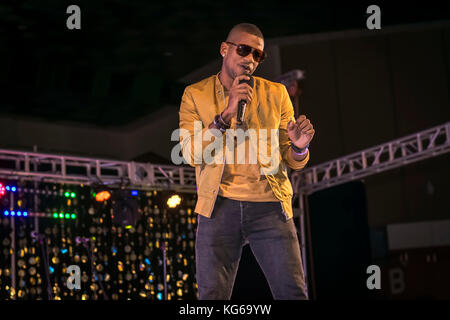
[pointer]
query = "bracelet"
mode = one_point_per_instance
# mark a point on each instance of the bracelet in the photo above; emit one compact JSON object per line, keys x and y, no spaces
{"x":223,"y":121}
{"x":219,"y":125}
{"x":302,"y":153}
{"x":299,"y":151}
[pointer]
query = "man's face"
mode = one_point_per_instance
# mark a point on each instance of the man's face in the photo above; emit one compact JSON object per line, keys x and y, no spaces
{"x":234,"y":64}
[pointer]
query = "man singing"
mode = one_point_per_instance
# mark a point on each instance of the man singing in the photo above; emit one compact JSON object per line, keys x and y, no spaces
{"x":241,"y":201}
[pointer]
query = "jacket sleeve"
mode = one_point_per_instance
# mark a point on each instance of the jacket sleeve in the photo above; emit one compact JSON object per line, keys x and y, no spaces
{"x":192,"y":149}
{"x":287,"y":113}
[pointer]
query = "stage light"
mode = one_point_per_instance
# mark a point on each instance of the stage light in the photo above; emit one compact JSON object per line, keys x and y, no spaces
{"x":134,"y":193}
{"x":67,"y":194}
{"x":13,"y":189}
{"x":55,"y":215}
{"x":61,"y":215}
{"x":8,"y":188}
{"x":73,"y":216}
{"x":73,"y":195}
{"x":25,"y":214}
{"x":102,"y":196}
{"x":6,"y":213}
{"x":174,"y":201}
{"x":19,"y":213}
{"x":2,"y":190}
{"x":67,"y":216}
{"x":13,"y":213}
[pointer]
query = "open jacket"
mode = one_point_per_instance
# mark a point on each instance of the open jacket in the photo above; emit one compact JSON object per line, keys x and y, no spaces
{"x":270,"y":108}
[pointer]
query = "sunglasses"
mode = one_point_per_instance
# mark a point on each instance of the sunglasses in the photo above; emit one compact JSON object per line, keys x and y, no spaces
{"x":244,"y":50}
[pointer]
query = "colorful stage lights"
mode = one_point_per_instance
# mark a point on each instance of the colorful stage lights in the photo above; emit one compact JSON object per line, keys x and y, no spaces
{"x":17,"y":213}
{"x":174,"y":201}
{"x":60,"y":215}
{"x":2,"y":190}
{"x":14,"y":213}
{"x":102,"y":196}
{"x":7,"y":188}
{"x":68,"y":194}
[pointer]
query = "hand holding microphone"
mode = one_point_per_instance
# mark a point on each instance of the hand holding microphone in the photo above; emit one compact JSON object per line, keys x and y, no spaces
{"x":240,"y":96}
{"x":243,"y":103}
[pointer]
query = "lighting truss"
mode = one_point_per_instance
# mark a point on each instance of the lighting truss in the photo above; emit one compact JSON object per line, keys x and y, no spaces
{"x":77,"y":170}
{"x":409,"y":149}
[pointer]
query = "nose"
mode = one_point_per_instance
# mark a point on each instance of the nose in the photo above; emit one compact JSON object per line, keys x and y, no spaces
{"x":251,"y":55}
{"x":249,"y":59}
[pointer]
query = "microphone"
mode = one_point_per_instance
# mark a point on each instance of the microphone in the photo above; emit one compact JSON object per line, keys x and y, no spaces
{"x":243,"y":103}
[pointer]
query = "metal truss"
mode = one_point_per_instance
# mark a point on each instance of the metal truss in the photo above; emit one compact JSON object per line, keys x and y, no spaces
{"x":77,"y":170}
{"x":409,"y":149}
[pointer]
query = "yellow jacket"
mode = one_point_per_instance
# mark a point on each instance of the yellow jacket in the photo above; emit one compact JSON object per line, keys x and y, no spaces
{"x":272,"y":106}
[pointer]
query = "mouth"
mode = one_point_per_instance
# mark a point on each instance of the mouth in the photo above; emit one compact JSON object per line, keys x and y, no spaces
{"x":246,"y":68}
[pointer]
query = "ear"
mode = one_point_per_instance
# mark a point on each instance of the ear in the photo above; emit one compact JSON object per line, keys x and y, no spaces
{"x":223,"y":49}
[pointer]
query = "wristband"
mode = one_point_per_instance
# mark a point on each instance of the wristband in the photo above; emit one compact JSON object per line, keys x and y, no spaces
{"x":218,"y":124}
{"x":299,"y":151}
{"x":223,"y":121}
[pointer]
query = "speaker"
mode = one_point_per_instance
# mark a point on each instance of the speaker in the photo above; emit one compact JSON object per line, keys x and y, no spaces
{"x":340,"y":242}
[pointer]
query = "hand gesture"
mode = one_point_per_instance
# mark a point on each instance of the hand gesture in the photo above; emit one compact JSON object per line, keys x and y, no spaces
{"x":300,"y":132}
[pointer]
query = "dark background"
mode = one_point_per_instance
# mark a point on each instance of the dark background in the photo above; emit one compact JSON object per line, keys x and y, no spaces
{"x":126,"y":59}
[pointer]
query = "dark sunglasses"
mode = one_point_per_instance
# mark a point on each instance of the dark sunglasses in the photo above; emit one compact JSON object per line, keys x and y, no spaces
{"x":244,"y":50}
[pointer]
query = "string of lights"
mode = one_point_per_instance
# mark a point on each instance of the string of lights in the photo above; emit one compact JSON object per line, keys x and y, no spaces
{"x":126,"y":229}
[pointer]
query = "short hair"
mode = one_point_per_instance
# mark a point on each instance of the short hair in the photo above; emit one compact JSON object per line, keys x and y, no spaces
{"x":245,"y":27}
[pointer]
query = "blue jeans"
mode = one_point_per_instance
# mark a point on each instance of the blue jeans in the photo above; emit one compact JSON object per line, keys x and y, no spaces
{"x":272,"y":239}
